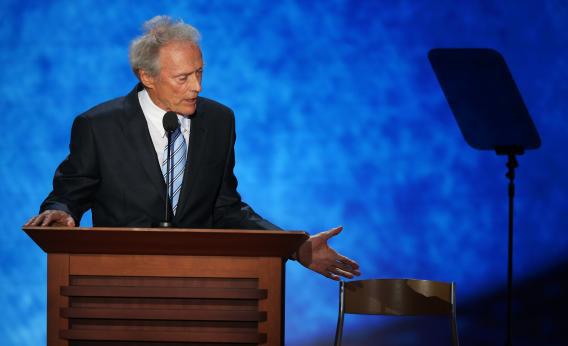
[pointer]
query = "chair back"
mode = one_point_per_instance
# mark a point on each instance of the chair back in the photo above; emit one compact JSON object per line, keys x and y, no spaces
{"x":397,"y":297}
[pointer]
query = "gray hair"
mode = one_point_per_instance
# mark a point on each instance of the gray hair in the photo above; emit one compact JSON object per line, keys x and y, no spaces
{"x":159,"y":31}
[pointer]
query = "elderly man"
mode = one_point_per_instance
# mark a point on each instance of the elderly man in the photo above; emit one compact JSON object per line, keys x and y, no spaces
{"x":117,"y":161}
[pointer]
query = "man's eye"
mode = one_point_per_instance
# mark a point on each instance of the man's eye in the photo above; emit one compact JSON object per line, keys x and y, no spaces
{"x":182,"y":79}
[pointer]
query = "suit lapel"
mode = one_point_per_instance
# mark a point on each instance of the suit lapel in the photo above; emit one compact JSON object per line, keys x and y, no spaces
{"x":137,"y":134}
{"x":197,"y":140}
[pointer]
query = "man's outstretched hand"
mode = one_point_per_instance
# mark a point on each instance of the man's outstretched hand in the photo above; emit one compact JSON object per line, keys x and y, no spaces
{"x":318,"y":256}
{"x":56,"y":218}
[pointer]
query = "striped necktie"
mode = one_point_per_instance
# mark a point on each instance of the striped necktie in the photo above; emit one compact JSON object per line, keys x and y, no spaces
{"x":177,"y":166}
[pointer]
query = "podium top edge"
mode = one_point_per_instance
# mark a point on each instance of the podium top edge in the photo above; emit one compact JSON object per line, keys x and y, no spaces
{"x":166,"y":241}
{"x":162,"y":230}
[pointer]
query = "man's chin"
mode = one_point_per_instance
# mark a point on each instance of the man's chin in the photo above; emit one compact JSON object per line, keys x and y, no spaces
{"x":186,"y":111}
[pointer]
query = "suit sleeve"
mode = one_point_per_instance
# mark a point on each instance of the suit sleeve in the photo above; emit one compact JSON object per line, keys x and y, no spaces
{"x":76,"y":178}
{"x":230,"y":211}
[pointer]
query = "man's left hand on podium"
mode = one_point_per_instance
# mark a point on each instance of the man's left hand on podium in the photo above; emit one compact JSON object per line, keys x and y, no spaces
{"x":318,"y":256}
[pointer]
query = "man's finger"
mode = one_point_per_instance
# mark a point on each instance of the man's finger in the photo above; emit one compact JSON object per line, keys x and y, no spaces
{"x":325,"y":272}
{"x":38,"y":220}
{"x":30,"y":221}
{"x":333,"y":232}
{"x":330,"y":276}
{"x":348,"y":261}
{"x":341,"y":272}
{"x":347,"y":267}
{"x":47,"y":220}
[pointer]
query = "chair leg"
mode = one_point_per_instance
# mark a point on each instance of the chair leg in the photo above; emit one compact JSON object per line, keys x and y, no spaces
{"x":455,"y":339}
{"x":339,"y":329}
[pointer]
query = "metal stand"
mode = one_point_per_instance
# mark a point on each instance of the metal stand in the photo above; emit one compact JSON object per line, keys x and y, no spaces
{"x":511,"y":165}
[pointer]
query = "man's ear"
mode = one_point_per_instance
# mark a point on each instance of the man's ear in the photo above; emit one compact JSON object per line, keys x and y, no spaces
{"x":146,"y":79}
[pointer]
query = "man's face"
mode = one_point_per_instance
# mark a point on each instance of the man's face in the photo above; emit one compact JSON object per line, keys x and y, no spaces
{"x":176,"y":86}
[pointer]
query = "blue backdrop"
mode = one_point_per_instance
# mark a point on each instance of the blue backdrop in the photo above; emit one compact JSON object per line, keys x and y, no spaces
{"x":340,"y":121}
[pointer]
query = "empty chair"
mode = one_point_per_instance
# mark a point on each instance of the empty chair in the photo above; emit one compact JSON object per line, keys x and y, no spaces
{"x":397,"y":297}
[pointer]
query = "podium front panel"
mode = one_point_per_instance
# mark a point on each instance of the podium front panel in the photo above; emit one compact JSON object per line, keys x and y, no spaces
{"x":147,"y":287}
{"x":148,"y":300}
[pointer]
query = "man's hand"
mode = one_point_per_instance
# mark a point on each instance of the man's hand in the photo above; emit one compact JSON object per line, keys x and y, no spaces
{"x":52,"y":218}
{"x":316,"y":255}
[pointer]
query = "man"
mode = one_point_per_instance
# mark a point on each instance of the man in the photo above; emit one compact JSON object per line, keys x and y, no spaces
{"x":117,"y":163}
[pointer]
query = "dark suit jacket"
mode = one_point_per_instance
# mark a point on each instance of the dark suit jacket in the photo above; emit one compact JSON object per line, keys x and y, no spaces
{"x":112,"y":169}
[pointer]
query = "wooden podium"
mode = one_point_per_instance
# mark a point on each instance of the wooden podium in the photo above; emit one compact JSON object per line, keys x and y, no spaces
{"x":145,"y":286}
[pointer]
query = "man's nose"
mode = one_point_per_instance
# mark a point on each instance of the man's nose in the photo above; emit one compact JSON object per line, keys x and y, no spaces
{"x":195,"y":83}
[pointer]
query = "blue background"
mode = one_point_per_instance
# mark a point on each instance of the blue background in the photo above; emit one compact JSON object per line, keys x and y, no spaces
{"x":340,"y":121}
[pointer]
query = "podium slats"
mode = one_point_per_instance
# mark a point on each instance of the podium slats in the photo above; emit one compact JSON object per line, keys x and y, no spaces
{"x":105,"y":309}
{"x":163,"y":292}
{"x":164,"y":314}
{"x":165,"y":336}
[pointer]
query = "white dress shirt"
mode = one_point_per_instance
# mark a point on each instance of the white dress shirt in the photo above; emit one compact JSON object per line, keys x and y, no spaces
{"x":154,"y":116}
